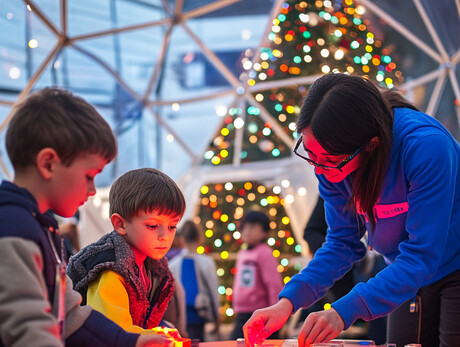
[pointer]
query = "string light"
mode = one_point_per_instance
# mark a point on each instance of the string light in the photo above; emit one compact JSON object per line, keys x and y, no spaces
{"x":14,"y":73}
{"x":33,"y":43}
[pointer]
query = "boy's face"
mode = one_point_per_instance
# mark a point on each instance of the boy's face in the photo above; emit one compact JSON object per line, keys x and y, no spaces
{"x":252,"y":233}
{"x":151,"y":233}
{"x":72,"y":185}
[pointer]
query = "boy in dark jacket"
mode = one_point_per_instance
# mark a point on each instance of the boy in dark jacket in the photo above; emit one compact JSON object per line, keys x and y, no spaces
{"x":57,"y":144}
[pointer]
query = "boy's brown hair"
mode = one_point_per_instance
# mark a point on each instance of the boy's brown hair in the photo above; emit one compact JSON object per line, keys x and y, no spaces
{"x":56,"y":118}
{"x":146,"y":190}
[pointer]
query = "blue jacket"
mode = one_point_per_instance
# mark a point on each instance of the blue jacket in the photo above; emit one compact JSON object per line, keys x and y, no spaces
{"x":17,"y":204}
{"x":28,"y":272}
{"x":417,"y":225}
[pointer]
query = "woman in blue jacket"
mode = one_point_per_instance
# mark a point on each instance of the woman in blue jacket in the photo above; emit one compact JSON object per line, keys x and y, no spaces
{"x":387,"y":168}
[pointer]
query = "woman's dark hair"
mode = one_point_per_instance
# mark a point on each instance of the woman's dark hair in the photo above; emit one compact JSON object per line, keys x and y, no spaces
{"x":344,"y":113}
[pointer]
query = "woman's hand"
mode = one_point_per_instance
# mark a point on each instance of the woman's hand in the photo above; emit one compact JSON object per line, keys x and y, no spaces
{"x":265,"y":321}
{"x":320,"y":326}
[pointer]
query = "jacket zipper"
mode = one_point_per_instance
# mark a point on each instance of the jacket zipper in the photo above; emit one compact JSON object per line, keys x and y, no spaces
{"x":154,"y":301}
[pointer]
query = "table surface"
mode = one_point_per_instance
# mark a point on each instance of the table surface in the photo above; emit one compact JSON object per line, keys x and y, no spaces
{"x":267,"y":343}
{"x":277,"y":343}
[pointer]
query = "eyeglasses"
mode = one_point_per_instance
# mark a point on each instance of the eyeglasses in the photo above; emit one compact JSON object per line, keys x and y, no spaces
{"x":324,"y":167}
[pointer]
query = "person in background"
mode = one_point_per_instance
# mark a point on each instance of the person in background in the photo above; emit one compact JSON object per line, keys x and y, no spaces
{"x":389,"y":169}
{"x":257,"y":282}
{"x":57,"y":144}
{"x":176,"y":311}
{"x":197,"y":273}
{"x":125,"y":274}
{"x":68,"y":228}
{"x":315,"y":234}
{"x":177,"y":247}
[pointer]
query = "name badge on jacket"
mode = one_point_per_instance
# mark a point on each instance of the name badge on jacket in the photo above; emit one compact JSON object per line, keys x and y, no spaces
{"x":391,"y":210}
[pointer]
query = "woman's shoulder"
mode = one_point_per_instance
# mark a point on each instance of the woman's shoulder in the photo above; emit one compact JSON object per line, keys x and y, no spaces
{"x":414,"y":124}
{"x":414,"y":129}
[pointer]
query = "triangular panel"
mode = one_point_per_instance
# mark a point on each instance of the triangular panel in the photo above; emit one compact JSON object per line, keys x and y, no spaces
{"x":104,"y":15}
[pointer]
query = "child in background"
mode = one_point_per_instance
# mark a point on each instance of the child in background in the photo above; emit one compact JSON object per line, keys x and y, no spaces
{"x":57,"y":144}
{"x":257,"y":282}
{"x":176,"y":311}
{"x":197,"y":273}
{"x":68,"y":228}
{"x":125,"y":275}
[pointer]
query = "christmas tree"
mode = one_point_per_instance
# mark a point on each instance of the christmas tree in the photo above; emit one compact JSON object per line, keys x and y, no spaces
{"x":222,"y":206}
{"x":307,"y":38}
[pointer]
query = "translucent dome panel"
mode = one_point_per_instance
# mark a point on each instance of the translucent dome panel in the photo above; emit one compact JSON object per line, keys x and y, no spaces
{"x":445,"y":17}
{"x":130,"y":55}
{"x":50,"y":8}
{"x":5,"y":165}
{"x":25,"y":43}
{"x":86,"y":18}
{"x":249,"y":7}
{"x":169,"y":138}
{"x":427,"y":45}
{"x":228,"y":32}
{"x":82,"y":75}
{"x":187,"y":73}
{"x":399,"y":10}
{"x":195,"y":123}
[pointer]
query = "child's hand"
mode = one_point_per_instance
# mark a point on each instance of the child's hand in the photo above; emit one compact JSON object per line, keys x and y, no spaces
{"x":154,"y":340}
